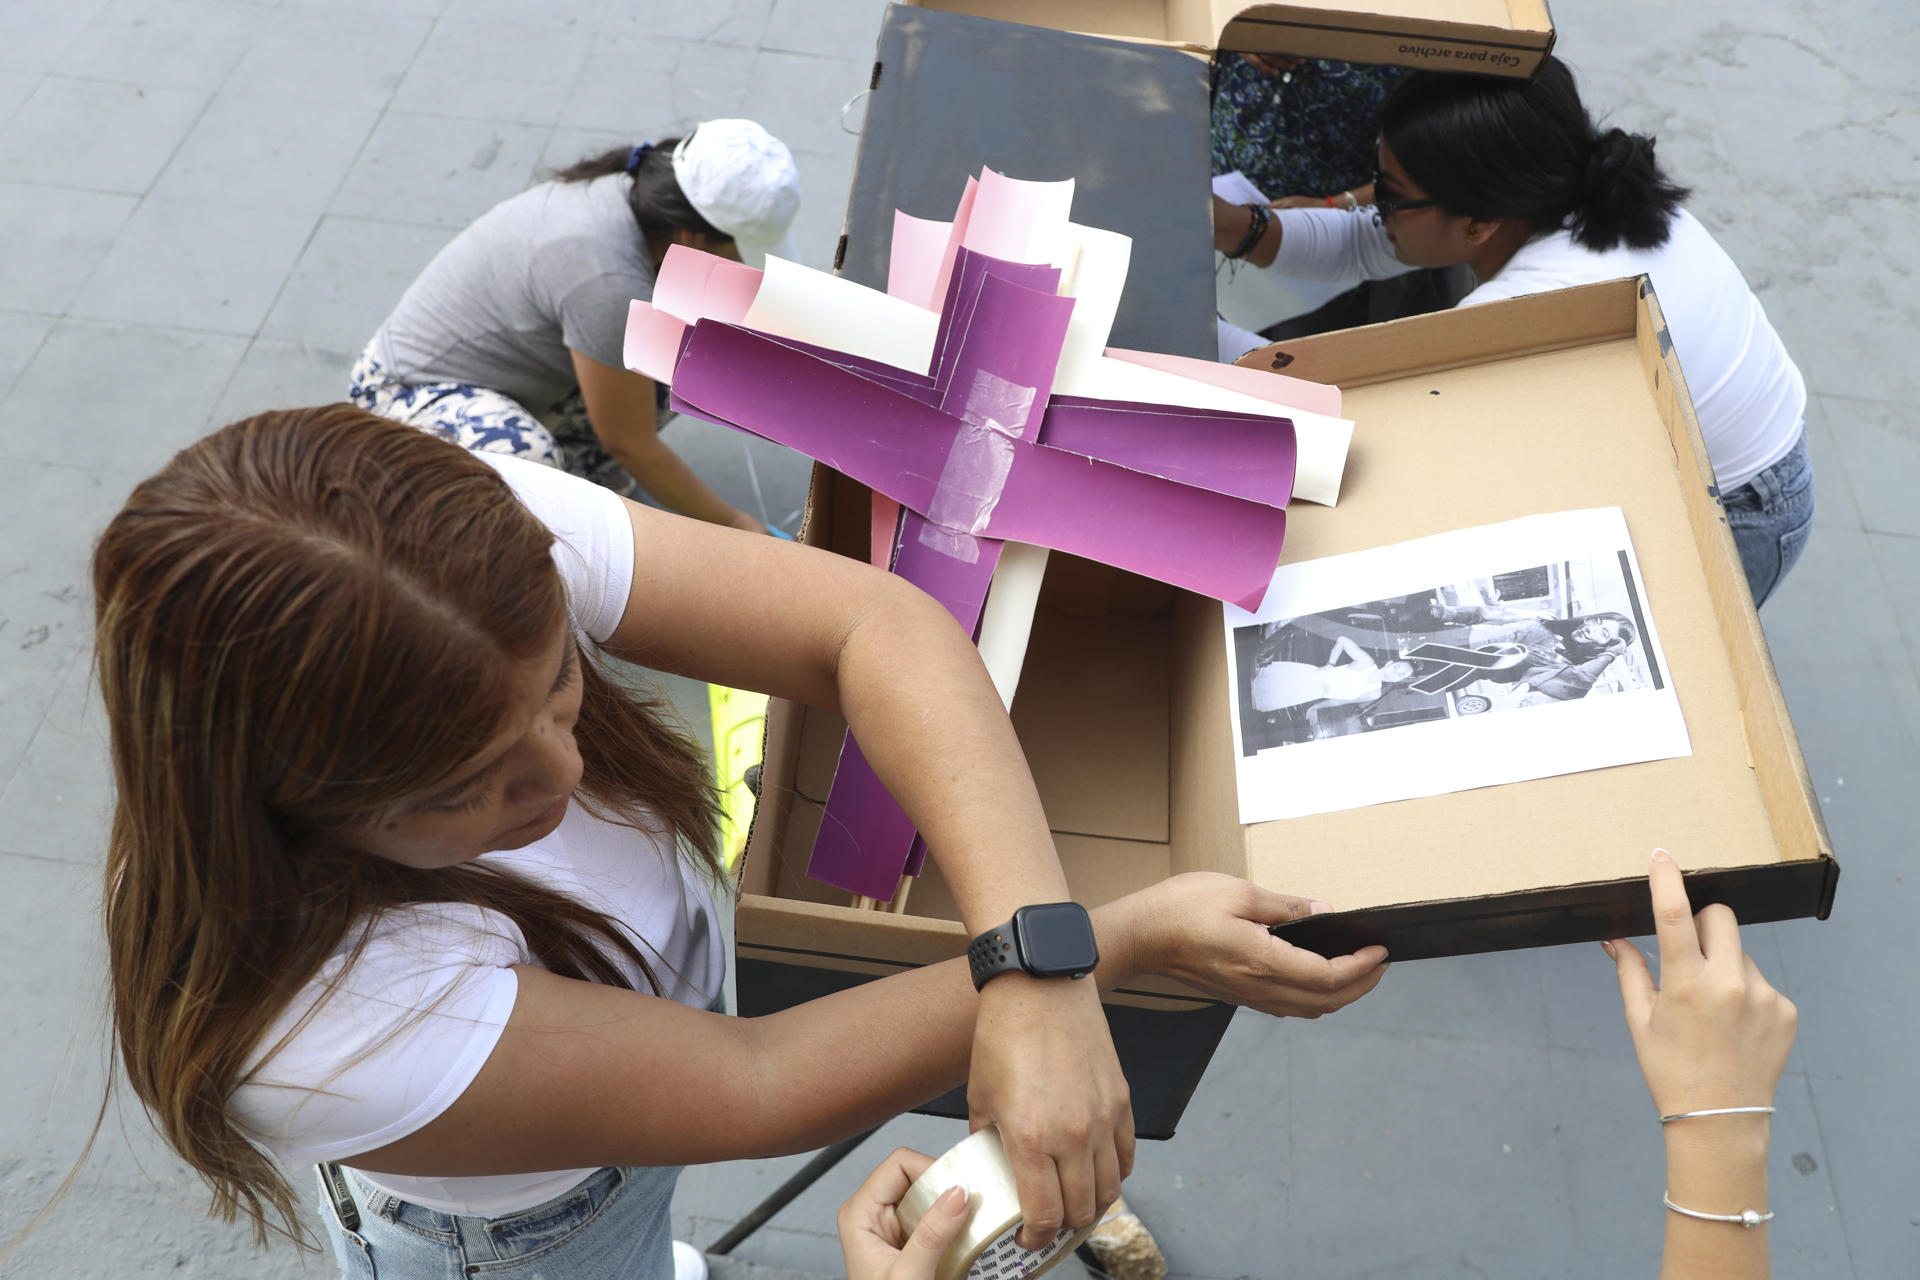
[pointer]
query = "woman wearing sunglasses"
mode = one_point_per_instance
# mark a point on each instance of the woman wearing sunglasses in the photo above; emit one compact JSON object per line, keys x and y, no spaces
{"x":1512,"y":178}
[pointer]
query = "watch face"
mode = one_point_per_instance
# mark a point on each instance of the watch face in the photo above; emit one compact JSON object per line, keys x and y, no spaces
{"x":1056,"y":938}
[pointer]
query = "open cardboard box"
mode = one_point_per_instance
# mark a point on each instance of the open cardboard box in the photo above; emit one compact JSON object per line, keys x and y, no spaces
{"x":1553,"y":402}
{"x":1494,"y":37}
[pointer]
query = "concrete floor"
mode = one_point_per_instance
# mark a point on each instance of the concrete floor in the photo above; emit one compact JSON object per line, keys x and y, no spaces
{"x":206,"y":206}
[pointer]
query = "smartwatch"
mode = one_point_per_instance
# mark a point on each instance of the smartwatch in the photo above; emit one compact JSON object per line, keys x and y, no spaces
{"x":1047,"y":940}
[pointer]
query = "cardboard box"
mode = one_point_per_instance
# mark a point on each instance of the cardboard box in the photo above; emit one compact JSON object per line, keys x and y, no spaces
{"x":951,"y":93}
{"x":1493,"y":37}
{"x":797,"y":939}
{"x":1555,"y":402}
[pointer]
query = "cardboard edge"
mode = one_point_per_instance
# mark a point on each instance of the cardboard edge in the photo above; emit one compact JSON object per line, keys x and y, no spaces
{"x":1624,"y":309}
{"x":786,"y":930}
{"x":1586,"y":912}
{"x":872,"y":92}
{"x":1204,"y":808}
{"x":1520,"y":39}
{"x":1740,"y":630}
{"x":779,"y":741}
{"x":1525,"y":326}
{"x":1478,"y":48}
{"x":779,"y":745}
{"x":1513,"y":51}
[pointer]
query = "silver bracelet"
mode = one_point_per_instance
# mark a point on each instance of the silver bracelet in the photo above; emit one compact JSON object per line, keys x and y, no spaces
{"x":1748,"y":1218}
{"x":1717,"y":1111}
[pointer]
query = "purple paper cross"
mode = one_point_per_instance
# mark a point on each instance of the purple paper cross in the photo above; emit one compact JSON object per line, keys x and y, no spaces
{"x":978,"y":452}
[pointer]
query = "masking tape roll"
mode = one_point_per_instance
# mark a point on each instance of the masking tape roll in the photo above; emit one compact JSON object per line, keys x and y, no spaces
{"x":985,"y":1249}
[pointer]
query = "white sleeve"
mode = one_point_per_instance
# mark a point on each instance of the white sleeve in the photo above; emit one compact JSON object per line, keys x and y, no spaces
{"x":593,"y":538}
{"x":392,"y":1045}
{"x":1233,"y":341}
{"x":1334,"y":244}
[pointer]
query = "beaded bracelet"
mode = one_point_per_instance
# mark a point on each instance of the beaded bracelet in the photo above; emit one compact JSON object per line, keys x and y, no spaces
{"x":1256,"y":228}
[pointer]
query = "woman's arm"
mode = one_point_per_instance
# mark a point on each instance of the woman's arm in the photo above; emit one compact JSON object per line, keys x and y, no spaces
{"x":587,"y":1075}
{"x":620,"y":405}
{"x":1711,"y":1034}
{"x":1356,"y":655}
{"x":1315,"y":244}
{"x":1362,"y":195}
{"x":833,"y":632}
{"x":1232,"y":222}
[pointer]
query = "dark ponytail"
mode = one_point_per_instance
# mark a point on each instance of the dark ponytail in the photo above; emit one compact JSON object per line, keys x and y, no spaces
{"x":654,"y":194}
{"x":1627,"y":197}
{"x":1488,"y":147}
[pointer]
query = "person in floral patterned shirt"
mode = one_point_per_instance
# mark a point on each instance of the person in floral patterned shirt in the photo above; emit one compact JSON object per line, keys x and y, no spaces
{"x":1302,"y":129}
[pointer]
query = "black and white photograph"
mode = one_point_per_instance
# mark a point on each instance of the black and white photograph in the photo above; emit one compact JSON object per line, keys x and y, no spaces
{"x":1521,"y":645}
{"x":1526,"y":638}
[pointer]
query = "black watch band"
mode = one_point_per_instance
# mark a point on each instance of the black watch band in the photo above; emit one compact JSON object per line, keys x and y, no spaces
{"x":992,"y":954}
{"x":1047,"y":940}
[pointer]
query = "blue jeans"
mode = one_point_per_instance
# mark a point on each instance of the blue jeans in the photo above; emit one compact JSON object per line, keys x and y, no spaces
{"x":617,"y":1225}
{"x":1771,"y":516}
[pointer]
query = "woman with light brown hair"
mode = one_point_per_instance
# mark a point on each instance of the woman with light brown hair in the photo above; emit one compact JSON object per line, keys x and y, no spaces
{"x":403,"y":885}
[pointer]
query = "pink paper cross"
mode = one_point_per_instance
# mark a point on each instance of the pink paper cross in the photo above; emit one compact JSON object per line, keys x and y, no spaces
{"x":977,"y":451}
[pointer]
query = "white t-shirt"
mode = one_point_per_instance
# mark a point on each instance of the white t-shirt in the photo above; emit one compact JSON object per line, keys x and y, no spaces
{"x":1747,"y":392}
{"x":414,"y":1019}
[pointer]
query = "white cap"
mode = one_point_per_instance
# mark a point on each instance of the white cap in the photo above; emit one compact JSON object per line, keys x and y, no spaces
{"x":741,"y":179}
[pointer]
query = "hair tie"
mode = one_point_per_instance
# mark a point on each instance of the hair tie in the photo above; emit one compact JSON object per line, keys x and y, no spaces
{"x":639,"y":154}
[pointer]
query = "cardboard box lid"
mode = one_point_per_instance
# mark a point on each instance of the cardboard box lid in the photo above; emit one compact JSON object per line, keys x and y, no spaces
{"x":1601,"y":355}
{"x":1495,"y":37}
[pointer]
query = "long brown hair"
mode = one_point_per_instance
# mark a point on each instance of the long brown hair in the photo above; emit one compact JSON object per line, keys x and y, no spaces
{"x":303,"y":619}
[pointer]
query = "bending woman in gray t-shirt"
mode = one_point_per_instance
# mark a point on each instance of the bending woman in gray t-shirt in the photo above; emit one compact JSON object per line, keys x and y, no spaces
{"x":510,"y":340}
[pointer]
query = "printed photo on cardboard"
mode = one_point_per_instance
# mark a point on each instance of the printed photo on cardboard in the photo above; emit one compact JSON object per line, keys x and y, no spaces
{"x":1526,"y":638}
{"x":1527,"y":651}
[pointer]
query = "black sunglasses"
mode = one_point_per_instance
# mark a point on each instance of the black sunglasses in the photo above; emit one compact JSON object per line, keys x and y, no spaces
{"x":1386,"y":206}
